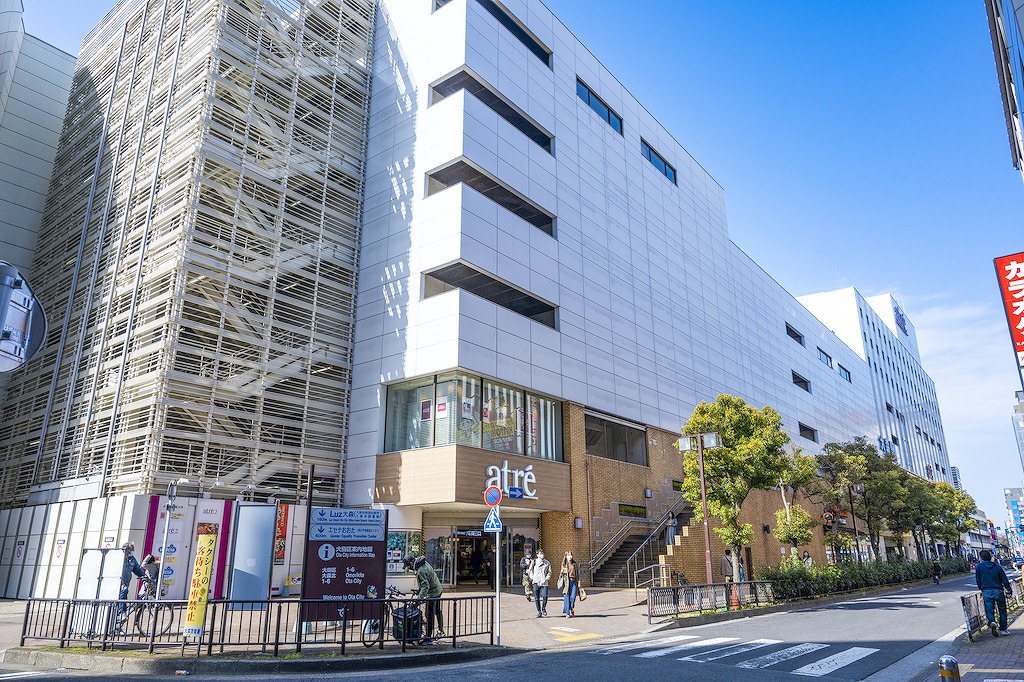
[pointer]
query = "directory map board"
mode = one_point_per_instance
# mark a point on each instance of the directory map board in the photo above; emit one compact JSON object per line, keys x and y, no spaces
{"x":346,"y":553}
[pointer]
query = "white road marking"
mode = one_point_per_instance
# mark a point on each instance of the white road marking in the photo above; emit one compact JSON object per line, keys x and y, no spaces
{"x":15,"y":676}
{"x":835,"y":661}
{"x":684,"y":647}
{"x":781,"y":655}
{"x":644,"y":644}
{"x":732,"y":650}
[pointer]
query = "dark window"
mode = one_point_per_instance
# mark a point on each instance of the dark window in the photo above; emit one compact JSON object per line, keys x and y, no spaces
{"x":794,"y":334}
{"x":801,"y":382}
{"x":615,"y":440}
{"x":825,"y":357}
{"x":658,"y":162}
{"x":895,"y":440}
{"x":845,"y":373}
{"x":808,"y":433}
{"x":463,"y":80}
{"x":493,"y":189}
{"x":518,"y":30}
{"x":888,"y":407}
{"x":462,"y":276}
{"x":598,"y":105}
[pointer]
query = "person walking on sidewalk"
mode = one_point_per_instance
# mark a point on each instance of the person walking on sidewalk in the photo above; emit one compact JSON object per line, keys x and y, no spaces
{"x":725,"y":568}
{"x":936,"y":571}
{"x":570,"y":580}
{"x":992,"y":581}
{"x":526,"y":566}
{"x":540,"y":575}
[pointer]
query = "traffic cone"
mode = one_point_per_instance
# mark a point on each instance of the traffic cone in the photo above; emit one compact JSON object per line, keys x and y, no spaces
{"x":734,"y":596}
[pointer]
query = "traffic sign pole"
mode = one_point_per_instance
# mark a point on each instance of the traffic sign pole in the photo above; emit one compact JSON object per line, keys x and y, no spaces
{"x":497,"y":585}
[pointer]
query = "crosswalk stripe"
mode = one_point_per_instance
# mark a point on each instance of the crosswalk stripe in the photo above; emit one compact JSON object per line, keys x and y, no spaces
{"x":14,"y":676}
{"x":732,"y":650}
{"x":644,"y":644}
{"x":781,"y":655}
{"x":684,"y":647}
{"x":834,"y":662}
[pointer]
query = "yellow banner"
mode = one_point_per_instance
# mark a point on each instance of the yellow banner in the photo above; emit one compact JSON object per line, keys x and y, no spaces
{"x":199,"y":587}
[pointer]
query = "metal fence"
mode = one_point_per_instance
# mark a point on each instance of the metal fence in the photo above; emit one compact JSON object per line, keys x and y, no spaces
{"x":974,"y":607}
{"x":262,"y":626}
{"x":677,"y":599}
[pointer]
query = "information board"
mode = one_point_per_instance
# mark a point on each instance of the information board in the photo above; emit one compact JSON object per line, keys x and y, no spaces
{"x":346,"y":553}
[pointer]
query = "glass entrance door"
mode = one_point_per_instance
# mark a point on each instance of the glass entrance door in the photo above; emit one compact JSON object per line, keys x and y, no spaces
{"x":440,"y":553}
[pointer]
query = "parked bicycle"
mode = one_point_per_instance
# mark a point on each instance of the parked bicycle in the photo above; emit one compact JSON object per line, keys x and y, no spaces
{"x":149,"y":614}
{"x":406,"y":621}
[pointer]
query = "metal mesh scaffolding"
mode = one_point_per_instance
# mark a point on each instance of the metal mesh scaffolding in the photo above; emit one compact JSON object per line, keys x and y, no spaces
{"x":198,"y":254}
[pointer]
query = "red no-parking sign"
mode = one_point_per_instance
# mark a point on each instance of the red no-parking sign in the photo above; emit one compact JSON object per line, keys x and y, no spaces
{"x":492,"y":496}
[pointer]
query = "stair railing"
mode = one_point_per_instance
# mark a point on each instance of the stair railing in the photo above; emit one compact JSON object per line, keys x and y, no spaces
{"x":611,"y":544}
{"x":646,"y":555}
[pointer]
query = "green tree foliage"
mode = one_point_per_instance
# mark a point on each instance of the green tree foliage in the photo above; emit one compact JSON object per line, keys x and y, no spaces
{"x":793,"y":524}
{"x":840,"y":466}
{"x":752,"y":456}
{"x":882,"y":493}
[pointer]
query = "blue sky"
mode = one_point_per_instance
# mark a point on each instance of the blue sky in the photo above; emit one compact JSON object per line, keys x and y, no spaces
{"x":858,"y":144}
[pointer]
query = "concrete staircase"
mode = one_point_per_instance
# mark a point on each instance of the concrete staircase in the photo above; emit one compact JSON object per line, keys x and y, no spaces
{"x":614,"y":572}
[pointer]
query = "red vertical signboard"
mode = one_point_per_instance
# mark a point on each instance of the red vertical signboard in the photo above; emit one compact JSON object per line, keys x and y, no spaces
{"x":1010,"y":271}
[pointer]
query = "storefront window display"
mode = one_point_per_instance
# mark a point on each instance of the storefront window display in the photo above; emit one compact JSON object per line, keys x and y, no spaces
{"x":402,"y":543}
{"x":465,"y":409}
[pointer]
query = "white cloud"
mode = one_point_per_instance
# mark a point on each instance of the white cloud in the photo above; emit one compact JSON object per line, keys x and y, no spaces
{"x":966,"y":350}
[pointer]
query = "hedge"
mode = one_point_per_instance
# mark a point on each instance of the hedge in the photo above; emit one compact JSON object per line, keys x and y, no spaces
{"x":797,"y":581}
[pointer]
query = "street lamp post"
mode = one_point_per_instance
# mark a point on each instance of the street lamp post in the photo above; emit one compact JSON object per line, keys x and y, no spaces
{"x":172,"y":489}
{"x":853,"y":520}
{"x":686,"y":445}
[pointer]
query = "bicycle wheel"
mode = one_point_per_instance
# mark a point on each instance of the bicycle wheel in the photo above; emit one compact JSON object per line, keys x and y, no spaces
{"x":160,"y":616}
{"x":373,"y":631}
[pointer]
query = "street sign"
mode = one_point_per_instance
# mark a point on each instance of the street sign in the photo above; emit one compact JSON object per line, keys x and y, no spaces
{"x":345,"y":554}
{"x":492,"y":496}
{"x":493,"y":522}
{"x":515,"y":493}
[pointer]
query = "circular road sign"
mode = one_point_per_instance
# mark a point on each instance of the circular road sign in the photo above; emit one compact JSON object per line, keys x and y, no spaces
{"x":492,"y":496}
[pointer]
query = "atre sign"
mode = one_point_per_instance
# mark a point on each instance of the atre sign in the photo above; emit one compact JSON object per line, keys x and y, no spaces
{"x":504,"y":478}
{"x":459,"y":473}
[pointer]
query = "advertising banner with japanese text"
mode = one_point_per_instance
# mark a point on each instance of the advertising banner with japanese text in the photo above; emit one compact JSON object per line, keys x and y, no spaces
{"x":1010,"y":271}
{"x":199,"y":587}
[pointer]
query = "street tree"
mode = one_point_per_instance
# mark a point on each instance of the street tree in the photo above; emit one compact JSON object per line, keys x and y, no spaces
{"x":881,"y":494}
{"x":840,"y":466}
{"x":793,"y":524}
{"x":751,"y":456}
{"x":955,"y":510}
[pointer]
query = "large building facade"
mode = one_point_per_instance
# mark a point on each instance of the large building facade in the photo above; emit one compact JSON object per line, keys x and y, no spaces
{"x":474,"y":260}
{"x":197,"y":255}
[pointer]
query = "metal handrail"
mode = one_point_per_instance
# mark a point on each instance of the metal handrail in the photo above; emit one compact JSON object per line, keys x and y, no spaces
{"x":645,"y":545}
{"x":656,"y":577}
{"x":611,"y":545}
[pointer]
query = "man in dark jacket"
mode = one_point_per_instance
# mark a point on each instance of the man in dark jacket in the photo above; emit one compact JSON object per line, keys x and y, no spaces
{"x":429,"y":590}
{"x":992,"y":581}
{"x":131,"y":565}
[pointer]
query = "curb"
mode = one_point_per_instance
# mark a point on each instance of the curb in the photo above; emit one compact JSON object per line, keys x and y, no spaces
{"x":786,"y":607}
{"x":129,"y":665}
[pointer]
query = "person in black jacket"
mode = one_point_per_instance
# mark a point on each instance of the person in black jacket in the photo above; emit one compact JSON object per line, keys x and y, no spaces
{"x":992,"y":581}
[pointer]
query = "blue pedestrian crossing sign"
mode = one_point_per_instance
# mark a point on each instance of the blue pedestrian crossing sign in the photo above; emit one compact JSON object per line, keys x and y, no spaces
{"x":493,"y":522}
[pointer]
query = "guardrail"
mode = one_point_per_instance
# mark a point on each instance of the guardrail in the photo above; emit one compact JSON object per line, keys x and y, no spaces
{"x":270,"y":626}
{"x":678,"y":599}
{"x":974,"y":607}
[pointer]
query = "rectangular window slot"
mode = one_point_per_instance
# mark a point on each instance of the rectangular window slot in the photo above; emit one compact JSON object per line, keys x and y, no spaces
{"x":808,"y":433}
{"x":657,"y":161}
{"x":615,"y":439}
{"x":794,"y":334}
{"x":825,"y":357}
{"x":521,"y":33}
{"x":463,"y":80}
{"x":493,"y":189}
{"x":467,"y":278}
{"x":598,"y":105}
{"x":801,"y":382}
{"x":845,"y":373}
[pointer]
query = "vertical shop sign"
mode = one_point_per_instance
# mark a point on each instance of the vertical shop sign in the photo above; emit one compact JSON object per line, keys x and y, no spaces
{"x":281,"y":535}
{"x":199,"y":587}
{"x":1010,"y":272}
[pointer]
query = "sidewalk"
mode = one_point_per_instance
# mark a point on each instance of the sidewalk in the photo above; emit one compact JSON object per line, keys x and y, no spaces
{"x":993,"y":658}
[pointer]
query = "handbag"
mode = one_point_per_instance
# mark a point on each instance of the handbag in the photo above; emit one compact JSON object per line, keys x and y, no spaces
{"x":582,"y":594}
{"x":563,"y":579}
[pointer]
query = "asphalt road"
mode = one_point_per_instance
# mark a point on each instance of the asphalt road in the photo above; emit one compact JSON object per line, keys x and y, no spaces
{"x":851,"y":640}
